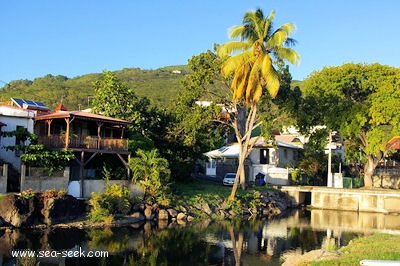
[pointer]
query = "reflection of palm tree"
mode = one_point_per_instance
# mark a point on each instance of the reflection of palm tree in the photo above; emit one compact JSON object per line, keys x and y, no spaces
{"x":237,"y":247}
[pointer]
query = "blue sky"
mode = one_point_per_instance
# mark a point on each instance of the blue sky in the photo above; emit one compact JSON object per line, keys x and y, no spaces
{"x":78,"y":37}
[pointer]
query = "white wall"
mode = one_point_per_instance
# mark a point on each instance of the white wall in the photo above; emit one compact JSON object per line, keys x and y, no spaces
{"x":282,"y":160}
{"x":273,"y":175}
{"x":287,"y":157}
{"x":74,"y":187}
{"x":14,"y":117}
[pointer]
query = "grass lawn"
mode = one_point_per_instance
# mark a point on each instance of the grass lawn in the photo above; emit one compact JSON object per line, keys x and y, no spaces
{"x":199,"y":186}
{"x":373,"y":247}
{"x":205,"y":188}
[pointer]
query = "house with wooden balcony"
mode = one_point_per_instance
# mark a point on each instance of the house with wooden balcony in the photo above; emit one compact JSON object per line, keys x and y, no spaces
{"x":94,"y":139}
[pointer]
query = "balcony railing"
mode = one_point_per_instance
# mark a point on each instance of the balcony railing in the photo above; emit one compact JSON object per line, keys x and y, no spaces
{"x":87,"y":142}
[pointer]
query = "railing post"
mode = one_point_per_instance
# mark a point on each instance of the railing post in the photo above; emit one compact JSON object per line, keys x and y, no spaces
{"x":22,"y":180}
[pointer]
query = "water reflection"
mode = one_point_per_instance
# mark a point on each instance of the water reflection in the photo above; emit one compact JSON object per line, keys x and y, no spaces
{"x":207,"y":243}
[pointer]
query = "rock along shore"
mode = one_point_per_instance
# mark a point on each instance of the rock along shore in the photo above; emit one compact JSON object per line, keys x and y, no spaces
{"x":47,"y":210}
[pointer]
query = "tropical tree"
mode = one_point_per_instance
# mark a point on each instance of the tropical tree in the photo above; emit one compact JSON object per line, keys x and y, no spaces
{"x":196,"y":128}
{"x":359,"y":100}
{"x":116,"y":99}
{"x":151,"y":171}
{"x":250,"y":63}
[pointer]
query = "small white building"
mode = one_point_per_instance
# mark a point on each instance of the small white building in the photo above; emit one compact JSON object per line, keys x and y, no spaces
{"x":13,"y":118}
{"x":271,"y":159}
{"x":19,"y":114}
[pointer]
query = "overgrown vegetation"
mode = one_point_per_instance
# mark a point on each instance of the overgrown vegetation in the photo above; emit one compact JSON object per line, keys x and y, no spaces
{"x":106,"y":205}
{"x":52,"y":160}
{"x":153,"y":174}
{"x":373,"y":247}
{"x":36,"y":155}
{"x":47,"y":194}
{"x":200,"y":191}
{"x":28,"y":194}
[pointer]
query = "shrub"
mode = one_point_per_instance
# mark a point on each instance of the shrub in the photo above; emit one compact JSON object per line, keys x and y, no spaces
{"x":105,"y":205}
{"x":27,"y":194}
{"x":236,"y":206}
{"x":296,"y":176}
{"x":152,"y":173}
{"x":53,"y":194}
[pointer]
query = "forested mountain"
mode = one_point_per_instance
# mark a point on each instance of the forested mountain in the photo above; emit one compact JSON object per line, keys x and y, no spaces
{"x":159,"y":85}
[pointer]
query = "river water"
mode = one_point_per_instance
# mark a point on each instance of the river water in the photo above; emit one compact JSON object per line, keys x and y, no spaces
{"x":252,"y":242}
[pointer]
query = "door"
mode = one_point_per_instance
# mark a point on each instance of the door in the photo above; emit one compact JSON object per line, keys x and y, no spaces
{"x":211,"y":168}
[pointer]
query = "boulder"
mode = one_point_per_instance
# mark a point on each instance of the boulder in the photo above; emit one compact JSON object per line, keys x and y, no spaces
{"x":181,"y":216}
{"x":18,"y":211}
{"x":163,"y":214}
{"x":172,"y":212}
{"x":61,"y":210}
{"x":206,"y":208}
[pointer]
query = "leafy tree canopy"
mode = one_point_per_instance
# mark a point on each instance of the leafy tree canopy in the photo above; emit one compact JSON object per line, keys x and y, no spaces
{"x":361,"y":101}
{"x":115,"y":98}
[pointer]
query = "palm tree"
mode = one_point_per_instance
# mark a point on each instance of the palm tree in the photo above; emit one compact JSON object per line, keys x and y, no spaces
{"x":253,"y":71}
{"x":151,"y":171}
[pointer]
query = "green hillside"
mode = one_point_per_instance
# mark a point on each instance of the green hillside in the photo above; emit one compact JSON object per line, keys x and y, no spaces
{"x":159,"y":85}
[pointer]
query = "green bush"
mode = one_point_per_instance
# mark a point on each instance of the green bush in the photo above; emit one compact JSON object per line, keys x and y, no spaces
{"x":105,"y":205}
{"x":296,"y":176}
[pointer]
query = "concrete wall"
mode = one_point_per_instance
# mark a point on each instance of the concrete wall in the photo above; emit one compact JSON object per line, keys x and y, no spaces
{"x":3,"y":178}
{"x":38,"y":180}
{"x":74,"y":187}
{"x":386,"y":181}
{"x":273,"y":175}
{"x":359,"y":200}
{"x":384,"y":201}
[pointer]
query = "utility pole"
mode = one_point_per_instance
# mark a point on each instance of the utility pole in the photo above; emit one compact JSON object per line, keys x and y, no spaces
{"x":330,"y":183}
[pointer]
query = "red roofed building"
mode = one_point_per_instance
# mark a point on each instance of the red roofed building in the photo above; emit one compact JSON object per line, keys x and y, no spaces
{"x":94,"y":139}
{"x":395,"y":143}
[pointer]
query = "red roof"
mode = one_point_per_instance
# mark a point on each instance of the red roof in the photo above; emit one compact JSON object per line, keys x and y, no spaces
{"x":82,"y":115}
{"x":61,"y":107}
{"x":395,"y":142}
{"x":287,"y":138}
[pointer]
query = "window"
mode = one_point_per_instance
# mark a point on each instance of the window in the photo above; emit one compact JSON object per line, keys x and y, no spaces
{"x":264,"y":156}
{"x":285,"y":153}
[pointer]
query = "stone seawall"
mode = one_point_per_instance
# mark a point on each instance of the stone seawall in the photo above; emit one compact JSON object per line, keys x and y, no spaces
{"x":374,"y":200}
{"x":363,"y":200}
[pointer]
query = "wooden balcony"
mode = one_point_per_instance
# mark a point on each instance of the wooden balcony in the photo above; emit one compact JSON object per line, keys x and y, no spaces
{"x":86,"y":142}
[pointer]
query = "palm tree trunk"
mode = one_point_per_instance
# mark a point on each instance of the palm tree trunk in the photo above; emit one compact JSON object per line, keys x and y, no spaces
{"x":244,"y":149}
